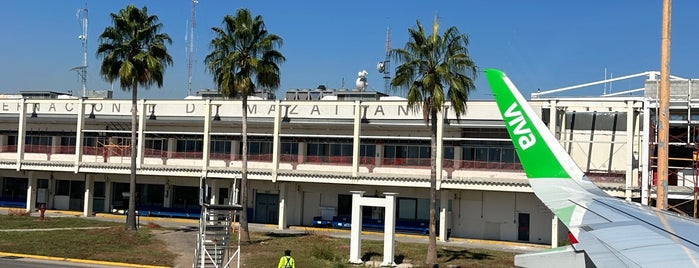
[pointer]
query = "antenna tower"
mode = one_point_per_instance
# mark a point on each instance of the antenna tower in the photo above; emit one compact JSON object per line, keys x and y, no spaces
{"x":82,"y":70}
{"x":191,"y":46}
{"x":387,"y":60}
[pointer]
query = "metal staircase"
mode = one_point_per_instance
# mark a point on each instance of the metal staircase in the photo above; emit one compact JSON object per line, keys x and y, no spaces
{"x":214,"y":246}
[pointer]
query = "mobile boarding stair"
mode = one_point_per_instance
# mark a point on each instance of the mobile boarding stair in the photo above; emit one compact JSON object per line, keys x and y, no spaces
{"x":214,"y":246}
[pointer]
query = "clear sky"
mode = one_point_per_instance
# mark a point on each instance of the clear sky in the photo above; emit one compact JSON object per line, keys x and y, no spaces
{"x":539,"y":44}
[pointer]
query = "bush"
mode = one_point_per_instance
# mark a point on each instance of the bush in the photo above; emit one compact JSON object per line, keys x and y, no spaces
{"x":323,"y":253}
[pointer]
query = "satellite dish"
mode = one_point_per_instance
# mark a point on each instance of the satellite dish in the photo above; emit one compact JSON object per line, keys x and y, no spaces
{"x":361,"y":80}
{"x":381,"y":67}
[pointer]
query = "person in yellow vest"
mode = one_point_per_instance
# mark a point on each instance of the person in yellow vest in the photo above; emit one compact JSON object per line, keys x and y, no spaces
{"x":286,"y":261}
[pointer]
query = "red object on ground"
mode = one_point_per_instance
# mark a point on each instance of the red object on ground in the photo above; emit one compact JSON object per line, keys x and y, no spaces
{"x":42,"y":209}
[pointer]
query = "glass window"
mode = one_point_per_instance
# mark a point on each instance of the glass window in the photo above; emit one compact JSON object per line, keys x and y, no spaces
{"x":62,"y":187}
{"x":448,"y":152}
{"x":291,"y":148}
{"x":481,"y":154}
{"x":407,"y":207}
{"x":494,"y":155}
{"x":367,"y":150}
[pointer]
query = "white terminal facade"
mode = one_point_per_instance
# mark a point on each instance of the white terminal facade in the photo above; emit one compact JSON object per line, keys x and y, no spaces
{"x":307,"y":156}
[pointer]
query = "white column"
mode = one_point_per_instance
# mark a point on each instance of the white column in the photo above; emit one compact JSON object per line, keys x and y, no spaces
{"x":31,"y":191}
{"x":235,"y":149}
{"x":356,"y":228}
{"x":458,"y":156}
{"x":20,"y":133}
{"x":553,"y":112}
{"x":283,"y":188}
{"x":206,"y":147}
{"x":643,"y":162}
{"x":79,"y":134}
{"x":443,"y":226}
{"x":276,"y":140}
{"x":141,"y":133}
{"x":167,"y":198}
{"x":440,"y":146}
{"x":356,"y":142}
{"x":213,"y":195}
{"x":629,"y":149}
{"x":107,"y":195}
{"x":89,"y":194}
{"x":379,"y":155}
{"x":171,"y":147}
{"x":389,"y":233}
{"x":302,"y":152}
{"x":554,"y":232}
{"x":55,"y":144}
{"x":3,"y":142}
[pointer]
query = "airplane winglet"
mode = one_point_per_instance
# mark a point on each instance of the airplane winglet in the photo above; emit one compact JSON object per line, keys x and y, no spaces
{"x":539,"y":151}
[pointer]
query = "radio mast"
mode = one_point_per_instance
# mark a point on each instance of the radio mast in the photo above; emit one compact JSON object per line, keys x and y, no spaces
{"x":384,"y":66}
{"x":191,"y":46}
{"x":82,"y":70}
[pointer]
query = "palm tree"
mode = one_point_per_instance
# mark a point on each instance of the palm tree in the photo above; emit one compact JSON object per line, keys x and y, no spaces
{"x":244,"y":57}
{"x":429,"y":64}
{"x":134,"y":52}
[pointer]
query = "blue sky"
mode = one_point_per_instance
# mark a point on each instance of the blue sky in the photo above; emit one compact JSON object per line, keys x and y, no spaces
{"x":539,"y":44}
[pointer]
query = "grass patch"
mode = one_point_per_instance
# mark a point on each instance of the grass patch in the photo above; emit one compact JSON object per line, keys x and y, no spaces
{"x":312,"y":250}
{"x":110,"y":244}
{"x":27,"y":222}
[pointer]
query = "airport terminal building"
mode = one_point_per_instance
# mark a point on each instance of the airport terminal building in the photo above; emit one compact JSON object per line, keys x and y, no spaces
{"x":308,"y":151}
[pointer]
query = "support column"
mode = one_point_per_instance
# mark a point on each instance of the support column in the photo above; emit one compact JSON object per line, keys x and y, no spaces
{"x":458,"y":156}
{"x":141,"y":145}
{"x":3,"y":142}
{"x":55,"y":144}
{"x":283,"y":188}
{"x":553,"y":115}
{"x":89,"y":194}
{"x":379,"y":155}
{"x":645,"y":158}
{"x":79,"y":134}
{"x":356,"y":232}
{"x":21,"y":131}
{"x":443,"y":226}
{"x":276,"y":140}
{"x":235,"y":149}
{"x":213,"y":195}
{"x":440,"y":146}
{"x":389,"y":234}
{"x":206,"y":147}
{"x":629,"y":149}
{"x":554,"y":232}
{"x":107,"y":194}
{"x":31,"y":191}
{"x":302,"y":152}
{"x":167,"y":197}
{"x":171,"y":147}
{"x":356,"y":140}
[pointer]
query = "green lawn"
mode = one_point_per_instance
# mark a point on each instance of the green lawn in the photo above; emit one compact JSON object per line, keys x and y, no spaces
{"x":309,"y":249}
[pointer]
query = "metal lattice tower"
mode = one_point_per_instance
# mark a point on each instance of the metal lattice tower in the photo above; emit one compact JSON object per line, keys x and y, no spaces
{"x":82,"y":70}
{"x":190,"y":59}
{"x":387,"y":61}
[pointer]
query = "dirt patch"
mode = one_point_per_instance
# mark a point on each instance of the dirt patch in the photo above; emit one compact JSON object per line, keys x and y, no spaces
{"x":181,"y":242}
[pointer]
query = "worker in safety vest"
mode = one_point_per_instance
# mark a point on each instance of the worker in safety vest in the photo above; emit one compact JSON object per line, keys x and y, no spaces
{"x":286,"y":261}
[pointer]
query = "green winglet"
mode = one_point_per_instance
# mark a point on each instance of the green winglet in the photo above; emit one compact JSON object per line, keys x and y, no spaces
{"x":531,"y":138}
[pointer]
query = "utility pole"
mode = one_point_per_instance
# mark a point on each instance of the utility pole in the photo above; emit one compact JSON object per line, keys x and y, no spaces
{"x":664,"y":111}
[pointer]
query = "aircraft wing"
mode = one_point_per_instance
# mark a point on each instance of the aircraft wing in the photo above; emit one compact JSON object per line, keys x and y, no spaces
{"x":612,"y":232}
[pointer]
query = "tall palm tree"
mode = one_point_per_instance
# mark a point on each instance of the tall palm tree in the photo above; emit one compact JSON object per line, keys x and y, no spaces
{"x":244,"y":57}
{"x":428,"y":66}
{"x":134,"y":51}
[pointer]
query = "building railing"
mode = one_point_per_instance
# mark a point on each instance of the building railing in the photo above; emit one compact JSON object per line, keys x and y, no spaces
{"x":125,"y":151}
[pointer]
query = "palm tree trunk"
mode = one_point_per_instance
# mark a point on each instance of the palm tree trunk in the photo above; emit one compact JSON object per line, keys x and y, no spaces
{"x":431,"y":259}
{"x":131,"y":214}
{"x":244,"y":233}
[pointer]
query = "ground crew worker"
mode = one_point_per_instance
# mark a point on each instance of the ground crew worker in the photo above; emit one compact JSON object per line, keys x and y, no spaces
{"x":286,"y":261}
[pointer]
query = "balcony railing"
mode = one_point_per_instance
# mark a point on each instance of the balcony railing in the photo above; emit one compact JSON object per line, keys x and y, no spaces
{"x":125,"y":151}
